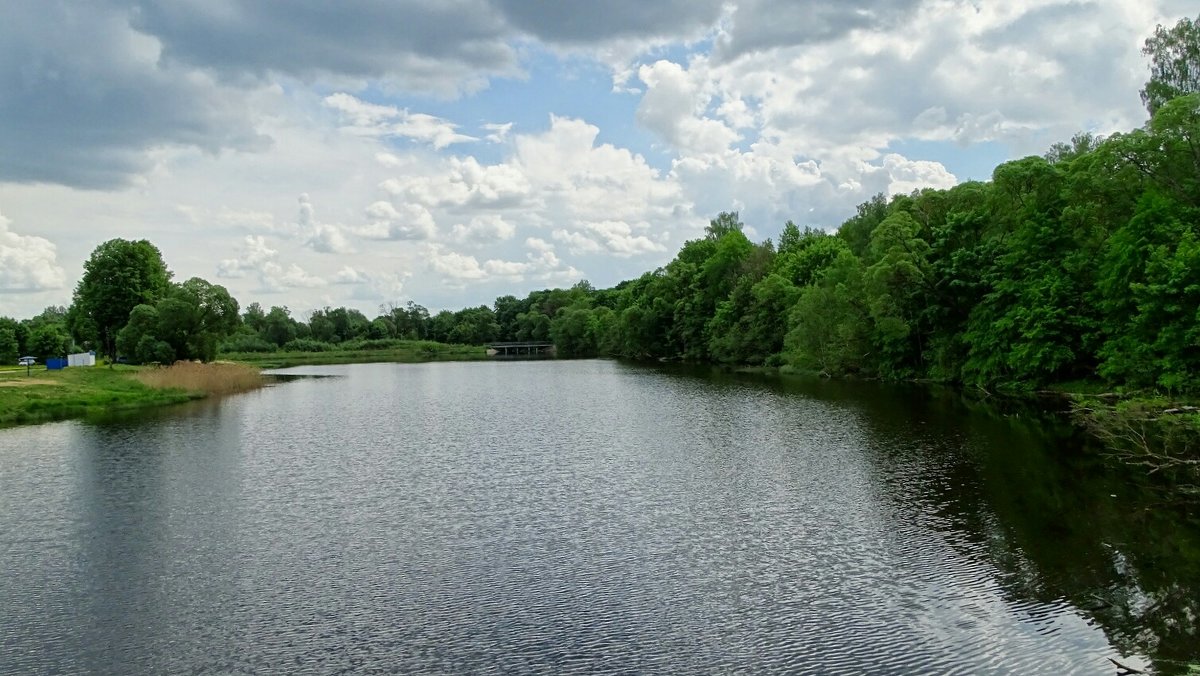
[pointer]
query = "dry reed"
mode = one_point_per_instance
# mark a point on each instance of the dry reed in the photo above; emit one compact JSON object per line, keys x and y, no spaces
{"x":216,"y":378}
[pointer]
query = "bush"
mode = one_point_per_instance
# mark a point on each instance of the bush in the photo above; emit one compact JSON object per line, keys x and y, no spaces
{"x":308,"y":345}
{"x":246,"y":342}
{"x":372,"y":344}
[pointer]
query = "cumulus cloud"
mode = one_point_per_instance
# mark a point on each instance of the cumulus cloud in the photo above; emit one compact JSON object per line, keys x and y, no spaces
{"x":674,"y":105}
{"x":408,"y":222}
{"x":372,"y":285}
{"x":464,"y":182}
{"x":349,"y":275}
{"x":457,"y":269}
{"x":27,"y":263}
{"x":258,"y":259}
{"x":616,"y":238}
{"x":484,"y":229}
{"x":906,"y":175}
{"x":318,"y":236}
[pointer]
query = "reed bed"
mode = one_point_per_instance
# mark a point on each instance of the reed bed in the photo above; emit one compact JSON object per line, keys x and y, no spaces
{"x":214,"y":378}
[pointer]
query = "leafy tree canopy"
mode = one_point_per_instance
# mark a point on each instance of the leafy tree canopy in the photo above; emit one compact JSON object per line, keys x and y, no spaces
{"x":119,"y":275}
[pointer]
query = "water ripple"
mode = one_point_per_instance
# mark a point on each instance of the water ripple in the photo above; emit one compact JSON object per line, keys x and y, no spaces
{"x":563,"y":518}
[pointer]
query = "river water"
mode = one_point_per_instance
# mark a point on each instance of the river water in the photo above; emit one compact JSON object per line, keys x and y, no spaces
{"x":584,"y":516}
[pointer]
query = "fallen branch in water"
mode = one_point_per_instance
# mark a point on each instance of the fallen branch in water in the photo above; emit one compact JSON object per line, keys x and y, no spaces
{"x":1124,"y":669}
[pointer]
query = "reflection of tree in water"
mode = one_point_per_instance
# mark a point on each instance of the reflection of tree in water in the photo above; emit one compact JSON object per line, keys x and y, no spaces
{"x":1059,"y":519}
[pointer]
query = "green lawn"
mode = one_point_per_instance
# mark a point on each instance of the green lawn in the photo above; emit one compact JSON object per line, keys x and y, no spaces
{"x":74,"y":392}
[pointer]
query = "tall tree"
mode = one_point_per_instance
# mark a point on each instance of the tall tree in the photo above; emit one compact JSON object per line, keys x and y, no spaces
{"x":1174,"y":63}
{"x":119,"y":276}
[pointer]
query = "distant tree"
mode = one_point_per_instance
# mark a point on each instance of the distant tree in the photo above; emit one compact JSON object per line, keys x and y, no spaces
{"x":254,"y":317}
{"x":857,"y":230}
{"x":475,"y":326}
{"x":322,"y":327}
{"x":49,"y":340}
{"x":119,"y":275}
{"x":507,"y":308}
{"x":197,"y":315}
{"x":278,"y":326}
{"x":381,"y":327}
{"x":188,"y":324}
{"x":1174,"y":63}
{"x":9,"y":347}
{"x":138,"y":339}
{"x":725,"y":223}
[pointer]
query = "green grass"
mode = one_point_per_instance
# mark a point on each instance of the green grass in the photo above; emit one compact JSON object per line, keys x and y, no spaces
{"x":75,"y":392}
{"x":416,"y":351}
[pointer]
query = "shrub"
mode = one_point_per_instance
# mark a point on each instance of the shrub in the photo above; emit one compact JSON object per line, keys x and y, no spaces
{"x":308,"y":345}
{"x":246,"y":342}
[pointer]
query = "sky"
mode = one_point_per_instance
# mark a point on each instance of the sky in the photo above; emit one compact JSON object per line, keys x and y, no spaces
{"x":366,"y":152}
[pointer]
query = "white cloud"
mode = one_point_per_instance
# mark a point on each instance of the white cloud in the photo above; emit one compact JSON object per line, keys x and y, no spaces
{"x":254,"y":255}
{"x":463,"y":182}
{"x":260,"y":260}
{"x":907,"y":175}
{"x":409,"y":222}
{"x":484,"y":229}
{"x":497,"y":133}
{"x":373,"y":286}
{"x":320,"y":237}
{"x":615,"y":238}
{"x":458,"y":269}
{"x":674,"y":105}
{"x":27,"y":263}
{"x":348,"y":275}
{"x":371,"y":119}
{"x":538,"y":244}
{"x":453,"y":265}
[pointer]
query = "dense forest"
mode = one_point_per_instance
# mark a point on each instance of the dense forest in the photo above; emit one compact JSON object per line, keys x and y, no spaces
{"x":1080,"y":264}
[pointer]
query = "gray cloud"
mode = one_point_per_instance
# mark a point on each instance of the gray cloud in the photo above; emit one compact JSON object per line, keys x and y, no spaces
{"x":579,"y":23}
{"x":416,"y":43}
{"x":759,"y":25}
{"x":82,"y":99}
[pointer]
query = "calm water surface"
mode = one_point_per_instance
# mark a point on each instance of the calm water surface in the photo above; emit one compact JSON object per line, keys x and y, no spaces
{"x":568,"y":517}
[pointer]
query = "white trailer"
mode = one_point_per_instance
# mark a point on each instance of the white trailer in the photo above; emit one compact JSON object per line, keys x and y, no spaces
{"x":82,"y":359}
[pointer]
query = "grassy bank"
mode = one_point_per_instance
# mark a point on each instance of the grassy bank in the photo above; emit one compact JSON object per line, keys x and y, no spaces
{"x":77,"y":392}
{"x":398,"y":351}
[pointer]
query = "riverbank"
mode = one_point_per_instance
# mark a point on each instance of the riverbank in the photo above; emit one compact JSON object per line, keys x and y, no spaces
{"x":43,"y":395}
{"x":397,"y":351}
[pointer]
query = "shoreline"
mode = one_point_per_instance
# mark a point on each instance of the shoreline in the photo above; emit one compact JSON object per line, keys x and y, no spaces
{"x":46,"y":396}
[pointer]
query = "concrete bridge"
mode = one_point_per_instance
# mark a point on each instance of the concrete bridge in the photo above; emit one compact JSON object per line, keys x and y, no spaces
{"x":520,"y":350}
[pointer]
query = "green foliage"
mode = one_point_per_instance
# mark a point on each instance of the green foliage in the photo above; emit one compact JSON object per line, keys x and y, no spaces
{"x":119,"y":275}
{"x":576,"y":332}
{"x":278,"y":327}
{"x":246,"y":342}
{"x":188,"y":324}
{"x":830,"y":327}
{"x":1174,"y":63}
{"x":308,"y":345}
{"x":9,"y":347}
{"x":49,"y":340}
